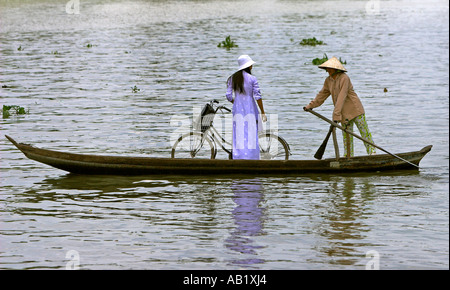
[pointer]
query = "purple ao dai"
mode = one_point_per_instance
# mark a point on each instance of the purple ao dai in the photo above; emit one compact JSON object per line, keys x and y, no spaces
{"x":246,"y":119}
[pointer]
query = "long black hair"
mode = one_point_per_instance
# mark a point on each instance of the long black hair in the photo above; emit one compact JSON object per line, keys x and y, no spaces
{"x":237,"y":80}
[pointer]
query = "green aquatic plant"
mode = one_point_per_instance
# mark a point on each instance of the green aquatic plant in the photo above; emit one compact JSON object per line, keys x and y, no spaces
{"x":135,"y":89}
{"x":227,"y":43}
{"x":21,"y":48}
{"x":89,"y":45}
{"x":18,"y":110}
{"x":319,"y":61}
{"x":311,"y":41}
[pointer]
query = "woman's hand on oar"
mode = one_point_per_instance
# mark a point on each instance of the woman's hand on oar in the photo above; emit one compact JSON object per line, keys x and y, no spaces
{"x":357,"y":136}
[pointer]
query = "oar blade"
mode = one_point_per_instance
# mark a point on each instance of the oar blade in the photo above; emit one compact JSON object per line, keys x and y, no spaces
{"x":321,"y":150}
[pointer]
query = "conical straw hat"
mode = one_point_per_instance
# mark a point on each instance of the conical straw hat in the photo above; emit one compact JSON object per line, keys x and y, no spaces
{"x":333,"y":63}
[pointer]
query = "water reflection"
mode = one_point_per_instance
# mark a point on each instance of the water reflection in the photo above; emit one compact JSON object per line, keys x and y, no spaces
{"x":344,"y":211}
{"x":96,"y":183}
{"x":248,"y":216}
{"x":80,"y":99}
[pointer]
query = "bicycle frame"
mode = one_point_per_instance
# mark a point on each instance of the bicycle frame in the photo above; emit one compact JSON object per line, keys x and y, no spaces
{"x":213,"y":134}
{"x":204,"y":126}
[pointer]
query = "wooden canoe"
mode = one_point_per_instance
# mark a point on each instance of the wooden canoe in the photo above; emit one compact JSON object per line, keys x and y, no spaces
{"x":127,"y":165}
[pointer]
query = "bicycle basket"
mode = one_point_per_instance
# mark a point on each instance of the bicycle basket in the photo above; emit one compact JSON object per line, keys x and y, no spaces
{"x":207,"y":117}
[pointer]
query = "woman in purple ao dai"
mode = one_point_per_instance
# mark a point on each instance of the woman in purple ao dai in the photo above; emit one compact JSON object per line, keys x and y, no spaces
{"x":246,"y":119}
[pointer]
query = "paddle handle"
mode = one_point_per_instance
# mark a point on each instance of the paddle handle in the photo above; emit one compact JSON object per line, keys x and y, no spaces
{"x":357,"y":136}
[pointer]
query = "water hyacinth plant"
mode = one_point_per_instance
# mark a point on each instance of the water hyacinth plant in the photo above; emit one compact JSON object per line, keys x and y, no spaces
{"x":18,"y":110}
{"x":135,"y":89}
{"x":319,"y":61}
{"x":311,"y":41}
{"x":342,"y":61}
{"x":227,"y":43}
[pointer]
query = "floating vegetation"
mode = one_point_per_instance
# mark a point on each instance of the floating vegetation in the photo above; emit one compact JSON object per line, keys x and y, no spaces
{"x":17,"y":110}
{"x":135,"y":89}
{"x":342,"y":61}
{"x":228,"y":43}
{"x":55,"y":52}
{"x":89,"y":45}
{"x":21,"y":48}
{"x":311,"y":41}
{"x":319,"y":61}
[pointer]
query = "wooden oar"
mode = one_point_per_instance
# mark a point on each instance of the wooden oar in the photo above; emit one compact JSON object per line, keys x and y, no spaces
{"x":321,"y":150}
{"x":359,"y":137}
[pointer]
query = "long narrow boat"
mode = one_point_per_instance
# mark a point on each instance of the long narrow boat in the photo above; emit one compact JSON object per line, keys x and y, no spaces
{"x":127,"y":165}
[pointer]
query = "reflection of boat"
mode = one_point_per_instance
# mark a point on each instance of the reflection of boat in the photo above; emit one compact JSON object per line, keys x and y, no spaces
{"x":127,"y":165}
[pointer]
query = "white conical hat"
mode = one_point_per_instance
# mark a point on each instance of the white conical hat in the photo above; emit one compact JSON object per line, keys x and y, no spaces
{"x":333,"y":63}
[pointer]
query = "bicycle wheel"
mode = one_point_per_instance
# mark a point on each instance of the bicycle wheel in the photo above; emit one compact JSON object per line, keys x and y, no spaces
{"x":194,"y":145}
{"x":272,"y":147}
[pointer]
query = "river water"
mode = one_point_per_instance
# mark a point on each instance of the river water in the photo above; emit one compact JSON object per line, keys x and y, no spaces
{"x":122,"y":78}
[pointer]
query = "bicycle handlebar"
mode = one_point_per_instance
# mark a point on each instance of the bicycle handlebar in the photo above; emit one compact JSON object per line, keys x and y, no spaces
{"x":219,"y":107}
{"x":225,"y":108}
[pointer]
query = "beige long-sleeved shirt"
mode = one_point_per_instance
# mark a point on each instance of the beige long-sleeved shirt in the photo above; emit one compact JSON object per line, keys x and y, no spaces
{"x":347,"y":105}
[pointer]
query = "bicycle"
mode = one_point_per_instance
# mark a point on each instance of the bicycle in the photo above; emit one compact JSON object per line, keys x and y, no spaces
{"x":202,"y":141}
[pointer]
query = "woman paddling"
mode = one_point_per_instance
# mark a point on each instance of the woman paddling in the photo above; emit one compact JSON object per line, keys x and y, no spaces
{"x":246,"y":119}
{"x":348,"y":108}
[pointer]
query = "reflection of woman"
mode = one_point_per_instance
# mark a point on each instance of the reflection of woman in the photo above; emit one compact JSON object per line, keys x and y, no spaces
{"x":248,"y":216}
{"x":246,"y":121}
{"x":348,"y":108}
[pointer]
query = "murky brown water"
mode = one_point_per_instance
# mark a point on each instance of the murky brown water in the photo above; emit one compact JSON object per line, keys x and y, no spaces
{"x":80,"y":99}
